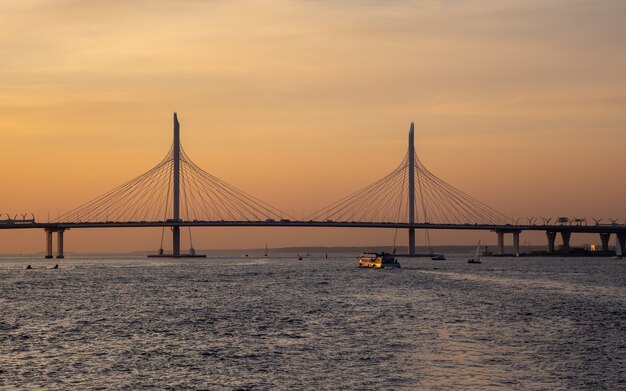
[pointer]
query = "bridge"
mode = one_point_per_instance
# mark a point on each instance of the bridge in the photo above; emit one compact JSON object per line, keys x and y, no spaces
{"x":178,"y":194}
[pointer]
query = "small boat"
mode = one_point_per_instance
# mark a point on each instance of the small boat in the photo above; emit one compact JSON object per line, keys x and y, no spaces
{"x":476,"y":258}
{"x":299,"y":257}
{"x":29,"y":267}
{"x":434,"y":256}
{"x":265,"y":255}
{"x":55,"y":266}
{"x":378,"y":260}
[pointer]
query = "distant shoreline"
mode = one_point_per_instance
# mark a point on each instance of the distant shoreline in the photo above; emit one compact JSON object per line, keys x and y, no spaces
{"x":458,"y":249}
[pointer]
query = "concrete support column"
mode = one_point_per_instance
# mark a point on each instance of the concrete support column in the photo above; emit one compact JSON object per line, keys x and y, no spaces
{"x":60,"y":244}
{"x":621,"y":242}
{"x":565,"y":235}
{"x":49,"y":244}
{"x":516,"y":243}
{"x":605,"y":238}
{"x":551,"y":240}
{"x":412,"y":241}
{"x":176,"y":241}
{"x":500,"y":243}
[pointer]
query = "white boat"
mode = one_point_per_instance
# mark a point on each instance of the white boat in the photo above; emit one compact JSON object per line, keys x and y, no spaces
{"x":378,"y":260}
{"x":434,"y":256}
{"x":476,"y":258}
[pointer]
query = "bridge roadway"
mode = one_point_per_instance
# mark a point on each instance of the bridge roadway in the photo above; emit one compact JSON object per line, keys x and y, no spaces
{"x":506,"y":228}
{"x":604,"y":230}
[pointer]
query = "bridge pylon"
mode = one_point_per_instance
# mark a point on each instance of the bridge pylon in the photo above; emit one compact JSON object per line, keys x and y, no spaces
{"x":176,"y":154}
{"x":176,"y":188}
{"x":411,"y":197}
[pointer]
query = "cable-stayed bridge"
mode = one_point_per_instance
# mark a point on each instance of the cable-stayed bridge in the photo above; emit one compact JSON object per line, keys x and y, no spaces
{"x":176,"y":193}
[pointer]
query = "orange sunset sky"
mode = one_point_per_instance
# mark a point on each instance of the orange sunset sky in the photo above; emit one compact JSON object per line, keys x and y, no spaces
{"x":521,"y":104}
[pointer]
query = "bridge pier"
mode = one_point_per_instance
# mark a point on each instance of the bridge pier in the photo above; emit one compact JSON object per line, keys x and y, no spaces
{"x":621,"y":242}
{"x":605,"y":238}
{"x":516,"y":243}
{"x":60,"y":244}
{"x":176,"y":241}
{"x":412,"y":241}
{"x":500,"y":242}
{"x":59,"y":232}
{"x":551,"y":235}
{"x":48,"y":244}
{"x":565,"y":235}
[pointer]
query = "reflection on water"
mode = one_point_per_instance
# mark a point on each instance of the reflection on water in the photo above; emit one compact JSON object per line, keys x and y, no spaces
{"x":279,"y":323}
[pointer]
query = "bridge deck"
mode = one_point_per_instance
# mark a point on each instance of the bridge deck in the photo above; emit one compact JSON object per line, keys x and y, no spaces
{"x":327,"y":224}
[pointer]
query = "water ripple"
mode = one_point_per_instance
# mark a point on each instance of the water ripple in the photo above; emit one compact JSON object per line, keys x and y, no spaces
{"x":276,"y":323}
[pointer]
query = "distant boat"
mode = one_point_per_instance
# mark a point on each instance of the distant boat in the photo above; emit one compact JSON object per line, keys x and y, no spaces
{"x":476,"y":258}
{"x":265,"y":255}
{"x":434,"y":256}
{"x":299,"y":257}
{"x":29,"y":267}
{"x":378,"y":260}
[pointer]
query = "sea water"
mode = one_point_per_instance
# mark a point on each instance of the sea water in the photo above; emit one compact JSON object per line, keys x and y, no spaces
{"x":261,"y":323}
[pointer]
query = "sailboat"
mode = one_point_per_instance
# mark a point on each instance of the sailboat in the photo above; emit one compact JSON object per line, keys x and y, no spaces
{"x":265,"y":255}
{"x":618,"y":250}
{"x":476,"y":258}
{"x":434,"y":256}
